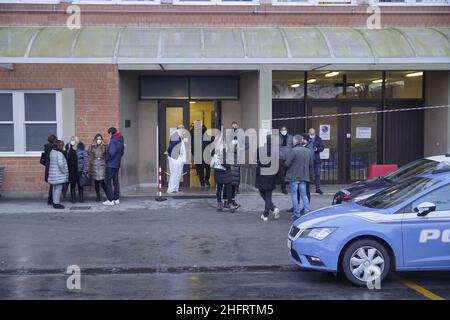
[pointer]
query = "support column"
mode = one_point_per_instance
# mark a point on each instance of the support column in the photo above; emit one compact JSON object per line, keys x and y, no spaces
{"x":265,"y":99}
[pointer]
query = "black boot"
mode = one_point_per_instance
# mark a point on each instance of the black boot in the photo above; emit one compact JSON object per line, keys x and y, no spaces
{"x":81,"y":194}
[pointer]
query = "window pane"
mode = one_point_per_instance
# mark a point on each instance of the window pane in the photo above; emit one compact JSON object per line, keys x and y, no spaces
{"x":439,"y":197}
{"x":364,"y":85}
{"x":154,"y":87}
{"x":37,"y":134}
{"x":325,"y":85}
{"x":288,"y":85}
{"x":7,"y":137}
{"x":6,"y":108}
{"x":404,"y":84}
{"x":214,"y":87}
{"x":40,"y":107}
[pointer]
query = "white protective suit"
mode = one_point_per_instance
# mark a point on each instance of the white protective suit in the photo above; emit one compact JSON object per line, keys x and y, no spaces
{"x":176,"y":169}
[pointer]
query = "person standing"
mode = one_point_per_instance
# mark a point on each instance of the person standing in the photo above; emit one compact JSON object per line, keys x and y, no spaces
{"x":114,"y":154}
{"x":317,"y":146}
{"x":176,"y":153}
{"x":300,"y":164}
{"x":236,"y":148}
{"x":58,"y":173}
{"x":203,"y":169}
{"x":45,"y":160}
{"x":97,"y":153}
{"x":285,"y":146}
{"x":266,"y":183}
{"x":77,"y":160}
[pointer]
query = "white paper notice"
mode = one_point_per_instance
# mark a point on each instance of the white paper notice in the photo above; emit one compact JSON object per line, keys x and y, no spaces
{"x":325,"y":131}
{"x":363,"y":132}
{"x":325,"y":154}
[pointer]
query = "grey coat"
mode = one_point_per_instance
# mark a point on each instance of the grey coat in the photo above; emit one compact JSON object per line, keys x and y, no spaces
{"x":300,"y":164}
{"x":58,"y":171}
{"x":284,"y":150}
{"x":97,"y":162}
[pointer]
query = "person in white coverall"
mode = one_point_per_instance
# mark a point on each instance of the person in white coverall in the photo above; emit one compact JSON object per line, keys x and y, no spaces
{"x":176,"y":153}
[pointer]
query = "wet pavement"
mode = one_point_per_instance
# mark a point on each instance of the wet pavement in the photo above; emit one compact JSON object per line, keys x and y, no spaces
{"x":176,"y":249}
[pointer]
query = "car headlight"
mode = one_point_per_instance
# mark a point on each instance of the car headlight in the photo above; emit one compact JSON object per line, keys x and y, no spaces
{"x":317,"y":233}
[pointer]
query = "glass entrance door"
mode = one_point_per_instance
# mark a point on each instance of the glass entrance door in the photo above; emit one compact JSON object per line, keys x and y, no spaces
{"x":351,"y":141}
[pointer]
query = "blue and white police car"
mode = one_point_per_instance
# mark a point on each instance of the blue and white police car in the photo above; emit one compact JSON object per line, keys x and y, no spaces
{"x":405,"y":227}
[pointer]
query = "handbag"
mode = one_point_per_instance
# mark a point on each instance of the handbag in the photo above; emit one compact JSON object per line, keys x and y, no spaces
{"x":85,"y":180}
{"x":215,"y":163}
{"x":42,"y":160}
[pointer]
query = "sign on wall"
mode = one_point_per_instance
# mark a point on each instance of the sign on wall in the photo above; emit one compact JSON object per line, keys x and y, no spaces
{"x":363,"y":132}
{"x":325,"y":131}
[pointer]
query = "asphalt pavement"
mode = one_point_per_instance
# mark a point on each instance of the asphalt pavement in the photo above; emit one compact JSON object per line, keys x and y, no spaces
{"x":176,"y":249}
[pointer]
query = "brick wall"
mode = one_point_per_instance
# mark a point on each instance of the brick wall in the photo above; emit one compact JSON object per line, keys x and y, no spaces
{"x":231,"y":16}
{"x":96,"y":109}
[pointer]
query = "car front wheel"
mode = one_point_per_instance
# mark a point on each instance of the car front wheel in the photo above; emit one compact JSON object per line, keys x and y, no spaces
{"x":365,"y":261}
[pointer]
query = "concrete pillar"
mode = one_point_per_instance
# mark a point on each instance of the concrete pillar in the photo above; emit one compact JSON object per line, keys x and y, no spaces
{"x":437,"y":121}
{"x":265,"y":100}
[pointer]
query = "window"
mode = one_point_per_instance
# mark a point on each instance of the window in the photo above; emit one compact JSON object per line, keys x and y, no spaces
{"x":399,"y":193}
{"x":439,"y":197}
{"x":404,"y":84}
{"x":411,"y":169}
{"x":325,"y":85}
{"x":364,"y":85}
{"x":27,"y":118}
{"x":288,"y":85}
{"x":6,"y":122}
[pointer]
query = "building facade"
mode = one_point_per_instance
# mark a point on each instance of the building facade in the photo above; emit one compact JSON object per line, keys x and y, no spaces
{"x":146,"y":66}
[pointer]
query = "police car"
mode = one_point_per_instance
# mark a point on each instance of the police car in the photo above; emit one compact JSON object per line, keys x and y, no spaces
{"x":405,"y":227}
{"x":363,"y":189}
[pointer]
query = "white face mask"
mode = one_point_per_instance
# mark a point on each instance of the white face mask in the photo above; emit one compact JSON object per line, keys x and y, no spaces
{"x":283,"y":132}
{"x":312,"y":136}
{"x":72,"y":143}
{"x":234,"y":142}
{"x":99,"y":141}
{"x":185,"y":139}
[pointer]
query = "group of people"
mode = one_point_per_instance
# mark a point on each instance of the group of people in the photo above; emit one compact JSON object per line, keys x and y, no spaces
{"x":299,"y":165}
{"x":71,"y":167}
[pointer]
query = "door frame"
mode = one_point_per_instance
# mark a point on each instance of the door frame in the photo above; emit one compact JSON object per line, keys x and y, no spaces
{"x":162,"y":117}
{"x":344,"y":127}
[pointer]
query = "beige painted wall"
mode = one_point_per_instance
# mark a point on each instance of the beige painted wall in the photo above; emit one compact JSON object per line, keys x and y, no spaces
{"x":147,"y":160}
{"x":437,"y":121}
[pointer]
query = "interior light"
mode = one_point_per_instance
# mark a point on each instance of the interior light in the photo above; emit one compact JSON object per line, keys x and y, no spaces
{"x":311,"y":80}
{"x":332,"y":74}
{"x":295,"y":85}
{"x":415,"y":74}
{"x":377,"y":81}
{"x":192,"y":102}
{"x":357,"y":85}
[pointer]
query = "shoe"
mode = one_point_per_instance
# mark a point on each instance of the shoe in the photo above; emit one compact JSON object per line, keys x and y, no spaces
{"x":294,"y":217}
{"x":208,"y":184}
{"x":319,"y":191}
{"x":284,"y":191}
{"x":290,"y":210}
{"x":108,"y":203}
{"x":226,"y":205}
{"x":302,"y":212}
{"x":264,"y":218}
{"x":234,"y":203}
{"x":58,"y":206}
{"x":233,"y":208}
{"x":219,"y":206}
{"x":49,"y":202}
{"x":116,"y":201}
{"x":276,"y":213}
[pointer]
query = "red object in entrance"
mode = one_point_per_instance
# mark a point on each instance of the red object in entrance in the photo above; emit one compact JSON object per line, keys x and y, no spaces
{"x":377,"y":170}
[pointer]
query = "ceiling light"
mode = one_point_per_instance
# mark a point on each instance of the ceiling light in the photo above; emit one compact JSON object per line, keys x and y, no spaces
{"x":332,"y":74}
{"x":377,"y":81}
{"x":311,"y":80}
{"x":415,"y":74}
{"x":295,"y":85}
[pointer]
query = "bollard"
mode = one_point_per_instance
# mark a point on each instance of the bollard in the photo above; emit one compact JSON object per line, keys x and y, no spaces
{"x":160,"y":197}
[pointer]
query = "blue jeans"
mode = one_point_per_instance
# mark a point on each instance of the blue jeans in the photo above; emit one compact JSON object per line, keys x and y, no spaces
{"x":317,"y":174}
{"x":295,"y":186}
{"x":112,"y":175}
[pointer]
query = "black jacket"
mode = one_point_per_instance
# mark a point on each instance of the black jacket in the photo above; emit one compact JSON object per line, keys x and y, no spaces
{"x":47,"y":148}
{"x":264,"y":182}
{"x":317,"y":146}
{"x":232,"y":174}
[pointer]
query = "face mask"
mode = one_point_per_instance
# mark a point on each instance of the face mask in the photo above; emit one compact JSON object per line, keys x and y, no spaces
{"x":234,"y":127}
{"x":312,"y":136}
{"x":99,"y":141}
{"x":72,"y":143}
{"x":185,"y":139}
{"x":283,"y":132}
{"x":234,"y":142}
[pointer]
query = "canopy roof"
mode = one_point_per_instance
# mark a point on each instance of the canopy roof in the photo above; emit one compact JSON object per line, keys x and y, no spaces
{"x":224,"y":45}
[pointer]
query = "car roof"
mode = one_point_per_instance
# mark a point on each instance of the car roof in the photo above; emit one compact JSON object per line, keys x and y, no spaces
{"x":443,"y":175}
{"x":440,"y":158}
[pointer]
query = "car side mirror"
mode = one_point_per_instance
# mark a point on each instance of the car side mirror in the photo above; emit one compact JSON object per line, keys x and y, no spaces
{"x":425,"y":208}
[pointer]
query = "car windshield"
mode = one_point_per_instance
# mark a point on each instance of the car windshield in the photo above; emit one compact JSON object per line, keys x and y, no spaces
{"x":411,"y":169}
{"x":398,"y":193}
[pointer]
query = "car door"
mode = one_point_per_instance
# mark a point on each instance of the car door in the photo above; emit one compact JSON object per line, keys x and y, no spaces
{"x":426,"y":239}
